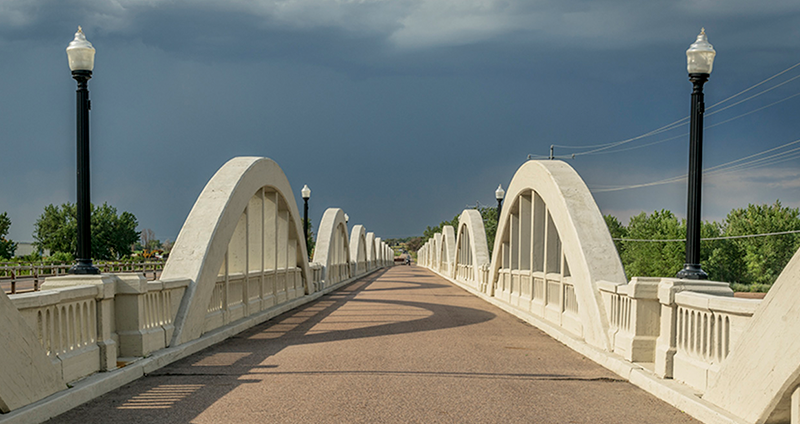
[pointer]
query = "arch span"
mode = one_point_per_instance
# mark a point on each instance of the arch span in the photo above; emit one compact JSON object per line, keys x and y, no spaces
{"x":551,"y":248}
{"x":447,"y":251}
{"x":371,"y":255}
{"x":332,"y":250}
{"x":472,"y":251}
{"x":245,"y":220}
{"x":358,"y":248}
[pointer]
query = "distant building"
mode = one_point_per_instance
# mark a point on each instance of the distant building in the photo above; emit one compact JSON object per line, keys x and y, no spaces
{"x":25,"y":248}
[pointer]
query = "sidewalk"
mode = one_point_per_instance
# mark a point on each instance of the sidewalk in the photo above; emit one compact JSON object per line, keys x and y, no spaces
{"x":401,"y":345}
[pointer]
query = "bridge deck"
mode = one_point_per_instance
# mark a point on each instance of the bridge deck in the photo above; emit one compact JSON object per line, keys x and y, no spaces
{"x":401,"y":345}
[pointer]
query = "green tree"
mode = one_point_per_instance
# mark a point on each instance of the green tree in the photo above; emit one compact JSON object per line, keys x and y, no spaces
{"x":617,"y":231}
{"x":430,"y":232}
{"x":489,"y":216}
{"x":310,"y":243}
{"x":112,"y":234}
{"x":757,"y":260}
{"x":654,"y":259}
{"x":7,"y":247}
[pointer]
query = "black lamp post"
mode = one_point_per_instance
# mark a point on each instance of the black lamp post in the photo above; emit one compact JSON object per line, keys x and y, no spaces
{"x":499,"y":194}
{"x":306,"y":192}
{"x":700,"y":60}
{"x":81,"y":61}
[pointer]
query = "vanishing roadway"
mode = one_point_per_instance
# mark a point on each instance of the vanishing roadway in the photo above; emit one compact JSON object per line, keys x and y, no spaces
{"x":400,"y":345}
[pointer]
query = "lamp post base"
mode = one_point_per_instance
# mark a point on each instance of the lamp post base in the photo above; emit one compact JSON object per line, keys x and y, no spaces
{"x":84,"y":266}
{"x":692,"y":272}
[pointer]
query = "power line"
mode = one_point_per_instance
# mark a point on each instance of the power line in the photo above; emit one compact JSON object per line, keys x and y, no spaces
{"x":704,"y":127}
{"x":601,"y":147}
{"x":725,"y":167}
{"x":708,"y":238}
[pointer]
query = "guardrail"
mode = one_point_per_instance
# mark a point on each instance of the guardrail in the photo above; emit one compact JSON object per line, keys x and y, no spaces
{"x":13,"y":273}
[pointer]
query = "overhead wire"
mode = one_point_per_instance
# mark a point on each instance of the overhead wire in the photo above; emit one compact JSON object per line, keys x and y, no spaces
{"x":708,"y":238}
{"x":597,"y":148}
{"x":733,"y":165}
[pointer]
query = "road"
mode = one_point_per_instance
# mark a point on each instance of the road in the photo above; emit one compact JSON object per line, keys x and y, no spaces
{"x":401,"y":345}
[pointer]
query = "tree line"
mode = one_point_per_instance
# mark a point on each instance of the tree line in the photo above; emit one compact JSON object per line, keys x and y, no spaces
{"x":113,"y":234}
{"x":749,"y":263}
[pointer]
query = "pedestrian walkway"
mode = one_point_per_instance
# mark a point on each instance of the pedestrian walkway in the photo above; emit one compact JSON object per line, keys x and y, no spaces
{"x":400,"y":345}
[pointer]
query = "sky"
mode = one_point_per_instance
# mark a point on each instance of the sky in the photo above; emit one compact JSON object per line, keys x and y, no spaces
{"x":401,"y":112}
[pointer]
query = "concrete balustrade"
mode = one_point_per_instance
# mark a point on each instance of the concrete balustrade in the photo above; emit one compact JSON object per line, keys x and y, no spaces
{"x":706,"y":328}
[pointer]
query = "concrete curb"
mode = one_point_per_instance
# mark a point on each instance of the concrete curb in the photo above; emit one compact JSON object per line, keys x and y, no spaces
{"x":669,"y":391}
{"x":101,"y":383}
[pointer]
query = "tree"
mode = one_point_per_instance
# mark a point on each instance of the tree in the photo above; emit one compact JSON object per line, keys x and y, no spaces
{"x":617,"y":231}
{"x":7,"y":247}
{"x":430,"y":232}
{"x":112,"y":234}
{"x":757,"y":260}
{"x":414,"y":243}
{"x":310,"y":243}
{"x":654,"y":259}
{"x":489,"y":216}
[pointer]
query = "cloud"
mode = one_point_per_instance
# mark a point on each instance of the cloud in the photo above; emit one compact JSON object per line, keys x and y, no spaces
{"x":403,"y":24}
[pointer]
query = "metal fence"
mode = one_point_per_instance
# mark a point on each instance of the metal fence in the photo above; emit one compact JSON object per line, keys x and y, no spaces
{"x":32,"y":275}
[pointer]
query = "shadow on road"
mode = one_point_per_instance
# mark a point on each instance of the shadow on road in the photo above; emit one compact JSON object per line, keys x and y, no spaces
{"x":181,"y":391}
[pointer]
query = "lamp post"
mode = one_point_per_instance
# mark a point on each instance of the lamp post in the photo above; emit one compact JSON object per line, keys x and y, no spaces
{"x":306,"y":192}
{"x":81,"y":62}
{"x":699,"y":61}
{"x":499,"y":194}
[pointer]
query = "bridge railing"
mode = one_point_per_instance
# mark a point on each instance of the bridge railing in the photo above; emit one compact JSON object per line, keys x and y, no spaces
{"x":11,"y":274}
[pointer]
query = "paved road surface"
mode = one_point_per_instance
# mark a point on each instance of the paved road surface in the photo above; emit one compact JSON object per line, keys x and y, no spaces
{"x":398,"y":346}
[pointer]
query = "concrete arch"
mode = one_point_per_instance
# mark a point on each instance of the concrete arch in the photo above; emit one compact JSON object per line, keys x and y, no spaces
{"x":472,"y":251}
{"x":358,"y":248}
{"x":333,"y":247}
{"x":551,"y":216}
{"x":378,"y":252}
{"x":447,"y":251}
{"x":203,"y":243}
{"x":759,"y":377}
{"x":436,"y":253}
{"x":370,"y":244}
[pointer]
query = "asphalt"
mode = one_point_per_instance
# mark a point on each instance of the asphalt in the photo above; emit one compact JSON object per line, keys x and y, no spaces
{"x":399,"y":346}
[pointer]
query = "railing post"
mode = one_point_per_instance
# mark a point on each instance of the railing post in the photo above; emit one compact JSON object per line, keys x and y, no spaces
{"x":35,"y":271}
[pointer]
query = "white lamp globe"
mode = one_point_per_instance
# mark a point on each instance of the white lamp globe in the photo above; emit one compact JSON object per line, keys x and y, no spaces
{"x":700,"y":56}
{"x":499,"y":193}
{"x":80,"y":53}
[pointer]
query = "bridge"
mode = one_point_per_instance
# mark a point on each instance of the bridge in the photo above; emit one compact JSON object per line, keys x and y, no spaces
{"x":243,"y":325}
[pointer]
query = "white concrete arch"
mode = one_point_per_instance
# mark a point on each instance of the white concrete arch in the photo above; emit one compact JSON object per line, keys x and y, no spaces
{"x":551,"y":249}
{"x":332,"y":250}
{"x":370,"y":243}
{"x":436,"y":245}
{"x":472,"y":251}
{"x":760,"y":379}
{"x":358,"y":248}
{"x":246,"y":213}
{"x":447,"y":251}
{"x":378,"y":252}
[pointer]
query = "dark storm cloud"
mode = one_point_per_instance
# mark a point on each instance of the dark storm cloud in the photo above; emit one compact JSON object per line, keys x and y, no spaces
{"x":402,"y":112}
